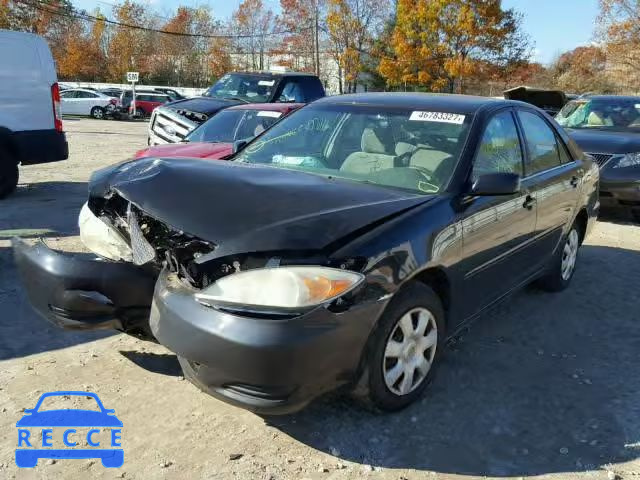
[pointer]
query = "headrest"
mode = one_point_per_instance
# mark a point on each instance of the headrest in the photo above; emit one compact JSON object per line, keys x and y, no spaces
{"x":370,"y":142}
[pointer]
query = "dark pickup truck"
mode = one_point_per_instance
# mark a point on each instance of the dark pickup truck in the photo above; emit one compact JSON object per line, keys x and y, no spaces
{"x":172,"y":122}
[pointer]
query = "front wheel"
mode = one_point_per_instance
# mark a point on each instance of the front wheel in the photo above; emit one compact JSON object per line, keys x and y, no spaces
{"x":563,"y":264}
{"x":97,"y":113}
{"x":405,"y":349}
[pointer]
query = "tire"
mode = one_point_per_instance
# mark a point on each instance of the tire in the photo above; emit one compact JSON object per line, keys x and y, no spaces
{"x":563,"y":264}
{"x":97,"y":113}
{"x":391,"y":350}
{"x":8,"y":173}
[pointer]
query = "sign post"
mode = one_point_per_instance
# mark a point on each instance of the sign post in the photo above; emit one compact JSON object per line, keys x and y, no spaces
{"x":132,"y":77}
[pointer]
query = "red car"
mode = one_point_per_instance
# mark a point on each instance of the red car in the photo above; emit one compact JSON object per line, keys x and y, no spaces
{"x":145,"y":102}
{"x":214,"y":139}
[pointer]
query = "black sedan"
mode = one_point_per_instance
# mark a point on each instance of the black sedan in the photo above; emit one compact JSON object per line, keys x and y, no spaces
{"x":339,"y":249}
{"x":608,"y":128}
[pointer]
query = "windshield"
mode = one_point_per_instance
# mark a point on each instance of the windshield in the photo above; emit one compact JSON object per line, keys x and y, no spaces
{"x":250,"y":88}
{"x":411,"y":150}
{"x":231,"y":125}
{"x":611,"y":113}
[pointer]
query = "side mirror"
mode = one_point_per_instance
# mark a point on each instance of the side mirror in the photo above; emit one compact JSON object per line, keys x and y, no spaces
{"x":238,"y":145}
{"x":496,"y":184}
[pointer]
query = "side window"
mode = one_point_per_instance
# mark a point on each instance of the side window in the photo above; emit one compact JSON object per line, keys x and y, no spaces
{"x":564,"y":153}
{"x":499,"y":149}
{"x":292,"y":92}
{"x":542,"y":146}
{"x":68,"y":94}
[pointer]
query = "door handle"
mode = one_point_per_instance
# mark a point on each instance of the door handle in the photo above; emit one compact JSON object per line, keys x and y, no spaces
{"x":529,"y":202}
{"x":574,"y":181}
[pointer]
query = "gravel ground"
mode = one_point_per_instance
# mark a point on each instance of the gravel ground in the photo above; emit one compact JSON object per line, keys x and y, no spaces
{"x":544,"y":385}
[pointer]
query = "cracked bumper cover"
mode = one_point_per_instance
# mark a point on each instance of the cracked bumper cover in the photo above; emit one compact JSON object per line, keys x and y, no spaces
{"x":265,"y":365}
{"x":82,"y":291}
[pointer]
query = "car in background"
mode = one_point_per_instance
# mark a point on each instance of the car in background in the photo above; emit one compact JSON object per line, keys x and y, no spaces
{"x":607,"y":127}
{"x":112,"y":92}
{"x":216,"y":138}
{"x":551,"y":101}
{"x":177,"y":119}
{"x":30,"y":120}
{"x":145,"y":103}
{"x":340,"y":248}
{"x":83,"y":101}
{"x":173,"y":94}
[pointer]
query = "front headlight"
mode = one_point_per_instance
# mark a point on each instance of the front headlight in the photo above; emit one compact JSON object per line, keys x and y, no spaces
{"x":282,"y":287}
{"x":628,"y":160}
{"x":101,"y":238}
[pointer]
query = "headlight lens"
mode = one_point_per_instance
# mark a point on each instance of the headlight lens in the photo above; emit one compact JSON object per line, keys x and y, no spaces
{"x":283,"y":287}
{"x":101,"y":238}
{"x":628,"y":160}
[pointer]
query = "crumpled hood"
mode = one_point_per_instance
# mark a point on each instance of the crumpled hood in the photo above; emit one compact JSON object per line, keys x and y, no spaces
{"x":214,"y":151}
{"x":250,"y":208}
{"x":597,"y":140}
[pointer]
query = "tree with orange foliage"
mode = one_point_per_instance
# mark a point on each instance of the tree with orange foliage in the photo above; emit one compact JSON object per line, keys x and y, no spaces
{"x":299,"y":18}
{"x":438,"y":43}
{"x":352,"y":26}
{"x":253,"y":22}
{"x":619,"y":30}
{"x":129,"y":49}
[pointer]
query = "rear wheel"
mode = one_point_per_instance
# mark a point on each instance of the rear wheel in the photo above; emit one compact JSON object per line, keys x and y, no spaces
{"x":8,"y":172}
{"x":405,"y":349}
{"x":563,"y":264}
{"x":97,"y":113}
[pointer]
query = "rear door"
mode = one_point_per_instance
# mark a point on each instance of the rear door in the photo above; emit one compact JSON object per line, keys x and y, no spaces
{"x":553,"y":177}
{"x":497,"y":230}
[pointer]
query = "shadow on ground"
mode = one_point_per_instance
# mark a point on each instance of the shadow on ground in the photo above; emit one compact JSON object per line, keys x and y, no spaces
{"x":543,"y":383}
{"x":47,"y":209}
{"x":162,"y":363}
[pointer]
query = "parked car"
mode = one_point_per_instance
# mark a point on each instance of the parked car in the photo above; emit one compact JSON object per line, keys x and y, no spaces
{"x":341,"y":247}
{"x":112,"y":92}
{"x":216,"y":138}
{"x":145,"y":103}
{"x":232,"y":89}
{"x":551,"y":101}
{"x":173,"y":94}
{"x":30,"y":120}
{"x":82,"y":101}
{"x":608,"y":128}
{"x":146,"y":100}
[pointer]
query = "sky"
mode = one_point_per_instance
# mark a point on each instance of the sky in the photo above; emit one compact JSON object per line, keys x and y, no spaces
{"x":554,"y":26}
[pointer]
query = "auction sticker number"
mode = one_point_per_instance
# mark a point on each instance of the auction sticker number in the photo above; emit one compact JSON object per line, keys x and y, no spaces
{"x":441,"y":117}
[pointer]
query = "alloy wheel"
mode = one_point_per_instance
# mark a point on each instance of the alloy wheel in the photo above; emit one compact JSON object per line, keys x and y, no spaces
{"x":569,"y":255}
{"x":410,"y":351}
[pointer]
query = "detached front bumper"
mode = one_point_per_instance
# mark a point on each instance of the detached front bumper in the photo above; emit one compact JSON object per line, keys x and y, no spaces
{"x":83,"y":292}
{"x":271,"y":366}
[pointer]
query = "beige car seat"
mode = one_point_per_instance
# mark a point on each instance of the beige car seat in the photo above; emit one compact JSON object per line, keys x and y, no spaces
{"x":595,"y":120}
{"x":428,"y":158}
{"x":372,"y":158}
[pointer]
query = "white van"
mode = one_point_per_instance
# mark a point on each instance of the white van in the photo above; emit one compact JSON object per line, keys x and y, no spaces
{"x":30,"y":120}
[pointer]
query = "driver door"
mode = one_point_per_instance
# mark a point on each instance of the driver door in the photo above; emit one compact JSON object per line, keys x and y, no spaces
{"x":497,"y":230}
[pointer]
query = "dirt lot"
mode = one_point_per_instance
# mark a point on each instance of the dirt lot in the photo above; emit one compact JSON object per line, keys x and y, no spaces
{"x":544,"y":385}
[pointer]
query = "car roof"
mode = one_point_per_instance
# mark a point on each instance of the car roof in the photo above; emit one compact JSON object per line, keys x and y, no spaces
{"x":611,"y":97}
{"x":277,"y":74}
{"x":269,"y":107}
{"x":441,"y":102}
